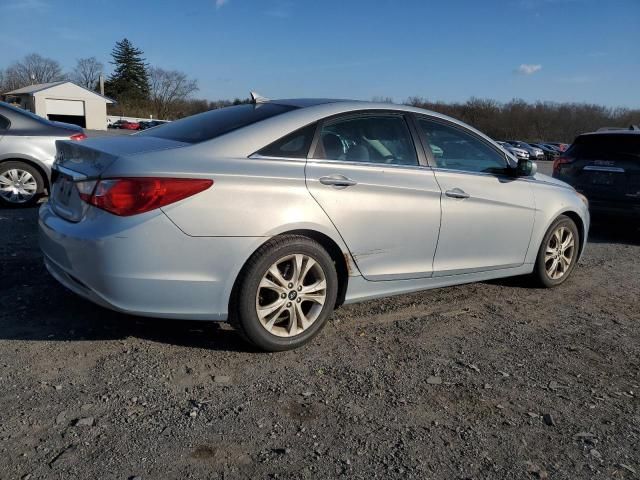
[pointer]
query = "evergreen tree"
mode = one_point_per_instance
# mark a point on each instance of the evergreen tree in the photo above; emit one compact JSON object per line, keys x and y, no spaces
{"x":130,"y":79}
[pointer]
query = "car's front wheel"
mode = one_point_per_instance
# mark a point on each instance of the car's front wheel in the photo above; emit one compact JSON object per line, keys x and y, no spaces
{"x":285,"y":293}
{"x":20,"y":184}
{"x":558,"y":253}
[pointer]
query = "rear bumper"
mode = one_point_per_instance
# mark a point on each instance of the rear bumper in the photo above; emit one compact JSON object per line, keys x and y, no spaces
{"x":143,"y":265}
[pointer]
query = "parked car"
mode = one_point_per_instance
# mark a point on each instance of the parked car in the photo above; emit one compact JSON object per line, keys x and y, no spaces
{"x":144,"y":125}
{"x":550,"y":154}
{"x":27,"y":151}
{"x":535,"y":153}
{"x":272,"y":214}
{"x":605,"y":166}
{"x":519,"y":153}
{"x":560,"y":146}
{"x":126,"y":125}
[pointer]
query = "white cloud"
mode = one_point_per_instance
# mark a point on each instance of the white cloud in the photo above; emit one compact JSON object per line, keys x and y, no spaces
{"x":528,"y":69}
{"x":221,"y":3}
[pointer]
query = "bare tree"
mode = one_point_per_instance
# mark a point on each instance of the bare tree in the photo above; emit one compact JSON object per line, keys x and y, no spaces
{"x":33,"y":69}
{"x":168,"y":89}
{"x":87,"y":72}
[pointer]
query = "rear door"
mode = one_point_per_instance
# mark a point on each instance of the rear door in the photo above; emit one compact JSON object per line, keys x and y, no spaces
{"x":606,"y":167}
{"x":366,"y":175}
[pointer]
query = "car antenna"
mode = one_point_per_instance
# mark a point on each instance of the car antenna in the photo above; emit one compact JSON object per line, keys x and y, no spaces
{"x":257,"y":98}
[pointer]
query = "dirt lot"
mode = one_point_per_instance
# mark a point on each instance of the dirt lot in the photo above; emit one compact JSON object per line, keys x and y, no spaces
{"x":491,"y":380}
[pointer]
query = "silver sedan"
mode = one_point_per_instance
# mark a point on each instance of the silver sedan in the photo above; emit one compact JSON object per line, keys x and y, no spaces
{"x":27,"y":151}
{"x":272,"y":214}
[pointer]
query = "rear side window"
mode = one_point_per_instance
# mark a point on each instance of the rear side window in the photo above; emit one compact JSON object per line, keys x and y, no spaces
{"x":604,"y":146}
{"x":214,"y":123}
{"x":4,"y":123}
{"x":294,"y":145}
{"x":374,"y":138}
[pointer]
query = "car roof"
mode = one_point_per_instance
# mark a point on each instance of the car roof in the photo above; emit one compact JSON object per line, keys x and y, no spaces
{"x":307,"y":102}
{"x":305,"y":111}
{"x":612,"y":132}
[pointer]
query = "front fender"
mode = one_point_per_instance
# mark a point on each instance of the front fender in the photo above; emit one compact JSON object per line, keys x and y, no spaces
{"x":551,"y":202}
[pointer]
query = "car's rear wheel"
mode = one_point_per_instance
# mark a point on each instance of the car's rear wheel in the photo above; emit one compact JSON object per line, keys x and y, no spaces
{"x":20,"y":184}
{"x":558,"y":253}
{"x":285,"y":293}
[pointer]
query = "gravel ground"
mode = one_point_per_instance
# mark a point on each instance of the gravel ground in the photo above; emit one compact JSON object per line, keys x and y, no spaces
{"x":491,"y":380}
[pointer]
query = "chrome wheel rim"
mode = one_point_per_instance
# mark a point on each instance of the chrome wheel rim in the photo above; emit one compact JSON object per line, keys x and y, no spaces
{"x":291,"y":295}
{"x":559,"y":253}
{"x":17,"y":186}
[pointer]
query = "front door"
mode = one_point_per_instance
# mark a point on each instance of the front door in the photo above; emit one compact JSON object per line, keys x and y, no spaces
{"x":365,"y":174}
{"x":487,"y":215}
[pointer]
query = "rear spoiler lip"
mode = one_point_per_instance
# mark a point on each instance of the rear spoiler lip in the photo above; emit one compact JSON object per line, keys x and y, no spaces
{"x":76,"y":176}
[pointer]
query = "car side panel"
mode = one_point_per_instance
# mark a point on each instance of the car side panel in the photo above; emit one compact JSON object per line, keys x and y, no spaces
{"x":551,"y":202}
{"x":250,"y":197}
{"x":36,"y":149}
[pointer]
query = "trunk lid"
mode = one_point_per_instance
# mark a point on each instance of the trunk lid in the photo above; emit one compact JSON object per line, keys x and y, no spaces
{"x":607,"y":167}
{"x":85,"y":161}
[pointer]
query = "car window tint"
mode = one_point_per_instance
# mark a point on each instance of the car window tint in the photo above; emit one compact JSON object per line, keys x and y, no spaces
{"x":455,"y":149}
{"x":214,"y":123}
{"x":294,"y":145}
{"x":4,"y":123}
{"x":371,"y":139}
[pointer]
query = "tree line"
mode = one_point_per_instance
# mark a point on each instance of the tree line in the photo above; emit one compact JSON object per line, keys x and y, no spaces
{"x":533,"y":122}
{"x":142,"y":90}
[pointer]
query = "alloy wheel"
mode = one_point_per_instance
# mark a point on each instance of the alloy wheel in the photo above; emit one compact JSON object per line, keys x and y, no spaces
{"x":559,"y":253}
{"x":291,"y":295}
{"x":17,"y":186}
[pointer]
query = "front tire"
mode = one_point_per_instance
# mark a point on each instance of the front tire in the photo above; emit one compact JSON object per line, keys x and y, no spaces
{"x":21,"y":185}
{"x":558,"y":253}
{"x":285,"y":293}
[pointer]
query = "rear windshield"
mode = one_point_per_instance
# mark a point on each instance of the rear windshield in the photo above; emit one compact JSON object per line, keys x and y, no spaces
{"x":602,"y":145}
{"x":214,"y":123}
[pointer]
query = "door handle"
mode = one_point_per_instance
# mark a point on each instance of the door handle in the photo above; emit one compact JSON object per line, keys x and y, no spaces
{"x":337,"y":181}
{"x":457,"y":193}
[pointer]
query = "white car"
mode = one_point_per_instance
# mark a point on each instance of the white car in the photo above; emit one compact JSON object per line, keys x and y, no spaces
{"x":517,"y":152}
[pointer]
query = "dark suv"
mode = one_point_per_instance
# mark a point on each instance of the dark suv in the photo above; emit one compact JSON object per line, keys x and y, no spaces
{"x":605,"y":167}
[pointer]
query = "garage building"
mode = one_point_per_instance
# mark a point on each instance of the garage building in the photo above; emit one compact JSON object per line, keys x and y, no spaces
{"x":64,"y":102}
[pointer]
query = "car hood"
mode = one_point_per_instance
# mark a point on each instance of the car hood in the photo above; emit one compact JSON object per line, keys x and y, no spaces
{"x":541,"y":177}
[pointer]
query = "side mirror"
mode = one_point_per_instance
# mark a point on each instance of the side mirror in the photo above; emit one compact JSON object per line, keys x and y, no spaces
{"x":526,"y":168}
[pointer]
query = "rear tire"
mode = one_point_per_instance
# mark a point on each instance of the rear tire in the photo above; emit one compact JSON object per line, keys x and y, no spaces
{"x":21,"y":184}
{"x":558,"y":253}
{"x":285,"y":293}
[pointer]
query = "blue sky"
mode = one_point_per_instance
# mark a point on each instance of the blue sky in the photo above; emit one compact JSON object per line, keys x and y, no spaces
{"x":558,"y":50}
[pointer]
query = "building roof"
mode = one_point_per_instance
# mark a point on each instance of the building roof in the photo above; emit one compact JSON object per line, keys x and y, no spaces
{"x":34,"y":88}
{"x":31,"y":89}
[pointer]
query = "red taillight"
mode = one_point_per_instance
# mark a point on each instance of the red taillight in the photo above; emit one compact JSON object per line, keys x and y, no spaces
{"x":77,"y":137}
{"x":562,"y":160}
{"x":131,"y":196}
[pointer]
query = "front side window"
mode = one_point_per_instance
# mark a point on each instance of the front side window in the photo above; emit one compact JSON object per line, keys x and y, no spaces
{"x":294,"y":145}
{"x":381,"y":139}
{"x":455,"y":149}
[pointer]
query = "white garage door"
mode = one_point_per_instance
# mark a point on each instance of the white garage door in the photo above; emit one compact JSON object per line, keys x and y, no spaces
{"x":64,"y":107}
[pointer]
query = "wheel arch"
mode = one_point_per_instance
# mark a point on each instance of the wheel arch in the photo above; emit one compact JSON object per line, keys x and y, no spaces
{"x":342,"y":260}
{"x":577,"y":219}
{"x":32,"y":163}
